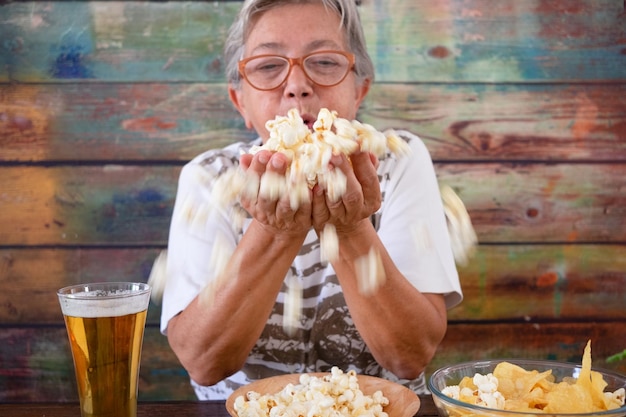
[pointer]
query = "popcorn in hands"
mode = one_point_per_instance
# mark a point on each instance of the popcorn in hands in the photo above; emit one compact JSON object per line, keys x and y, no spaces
{"x":308,"y":153}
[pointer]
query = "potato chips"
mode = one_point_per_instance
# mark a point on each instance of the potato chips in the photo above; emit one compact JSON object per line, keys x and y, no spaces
{"x":513,"y":388}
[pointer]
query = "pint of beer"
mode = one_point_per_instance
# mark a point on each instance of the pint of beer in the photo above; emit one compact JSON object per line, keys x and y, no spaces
{"x":105,"y":324}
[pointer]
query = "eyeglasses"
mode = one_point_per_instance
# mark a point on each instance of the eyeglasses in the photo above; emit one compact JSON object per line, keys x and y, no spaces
{"x":324,"y":68}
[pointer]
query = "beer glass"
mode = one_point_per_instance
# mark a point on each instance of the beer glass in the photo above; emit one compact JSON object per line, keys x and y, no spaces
{"x":105,"y":324}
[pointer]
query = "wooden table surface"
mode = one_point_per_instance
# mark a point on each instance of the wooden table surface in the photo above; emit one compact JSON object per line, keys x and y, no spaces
{"x":155,"y":409}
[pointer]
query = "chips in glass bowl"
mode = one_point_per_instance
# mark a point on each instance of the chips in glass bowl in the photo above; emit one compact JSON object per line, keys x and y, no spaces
{"x":512,"y":388}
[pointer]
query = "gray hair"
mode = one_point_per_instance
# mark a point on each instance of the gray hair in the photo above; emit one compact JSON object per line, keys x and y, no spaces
{"x":350,"y":22}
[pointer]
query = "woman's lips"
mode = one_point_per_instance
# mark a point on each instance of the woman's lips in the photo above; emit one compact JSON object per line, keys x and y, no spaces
{"x":308,"y":120}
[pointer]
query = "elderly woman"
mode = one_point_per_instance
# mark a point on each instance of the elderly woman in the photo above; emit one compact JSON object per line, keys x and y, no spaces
{"x":307,"y":55}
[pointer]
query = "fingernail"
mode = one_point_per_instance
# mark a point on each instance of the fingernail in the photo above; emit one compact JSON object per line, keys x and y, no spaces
{"x":336,"y":160}
{"x":263,"y":158}
{"x":278,"y":163}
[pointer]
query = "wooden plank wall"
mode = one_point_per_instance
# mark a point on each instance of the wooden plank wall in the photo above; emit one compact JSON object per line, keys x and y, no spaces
{"x":522,"y":104}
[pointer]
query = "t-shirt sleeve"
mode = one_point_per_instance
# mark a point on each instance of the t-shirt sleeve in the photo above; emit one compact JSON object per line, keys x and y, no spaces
{"x":197,"y":226}
{"x":413,"y":227}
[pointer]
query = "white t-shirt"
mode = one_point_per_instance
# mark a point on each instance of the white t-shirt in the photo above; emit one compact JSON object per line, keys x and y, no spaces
{"x":410,"y":223}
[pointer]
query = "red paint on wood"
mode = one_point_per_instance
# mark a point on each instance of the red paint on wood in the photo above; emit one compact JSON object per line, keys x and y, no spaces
{"x":548,"y":279}
{"x":148,"y":124}
{"x":439,"y":52}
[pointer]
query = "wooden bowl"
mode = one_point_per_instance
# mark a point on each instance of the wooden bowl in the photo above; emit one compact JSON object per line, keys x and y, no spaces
{"x":402,"y":401}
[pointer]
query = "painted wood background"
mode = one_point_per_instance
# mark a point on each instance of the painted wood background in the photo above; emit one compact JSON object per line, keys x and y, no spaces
{"x":522,"y":104}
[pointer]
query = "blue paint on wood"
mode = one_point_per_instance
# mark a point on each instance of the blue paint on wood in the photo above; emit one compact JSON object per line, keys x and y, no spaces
{"x":70,"y":63}
{"x":146,"y":202}
{"x":149,"y":196}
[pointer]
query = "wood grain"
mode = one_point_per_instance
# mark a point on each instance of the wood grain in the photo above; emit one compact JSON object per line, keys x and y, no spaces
{"x":96,"y":205}
{"x":37,"y":364}
{"x":155,"y":408}
{"x":544,"y":282}
{"x":555,"y":340}
{"x":450,"y":40}
{"x":503,"y":282}
{"x":92,"y":205}
{"x":175,"y":122}
{"x":32,"y":276}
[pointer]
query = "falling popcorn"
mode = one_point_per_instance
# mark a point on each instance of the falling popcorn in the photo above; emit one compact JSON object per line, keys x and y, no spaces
{"x":370,"y":272}
{"x":329,"y":244}
{"x":292,"y":306}
{"x":462,"y":235}
{"x":158,"y":277}
{"x":220,"y":256}
{"x":421,"y":236}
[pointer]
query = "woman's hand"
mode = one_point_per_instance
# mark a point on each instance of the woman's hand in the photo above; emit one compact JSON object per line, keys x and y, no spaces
{"x":276,"y":214}
{"x":361,"y":199}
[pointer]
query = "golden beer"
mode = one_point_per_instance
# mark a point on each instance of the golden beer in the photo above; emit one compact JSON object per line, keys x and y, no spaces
{"x":105,"y":324}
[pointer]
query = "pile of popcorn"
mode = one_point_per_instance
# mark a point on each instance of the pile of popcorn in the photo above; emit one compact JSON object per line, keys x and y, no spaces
{"x":333,"y":395}
{"x":485,"y":395}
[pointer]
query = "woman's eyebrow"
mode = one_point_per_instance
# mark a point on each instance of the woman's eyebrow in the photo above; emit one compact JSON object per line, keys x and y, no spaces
{"x":324,"y":43}
{"x":279,"y":46}
{"x":273,"y":46}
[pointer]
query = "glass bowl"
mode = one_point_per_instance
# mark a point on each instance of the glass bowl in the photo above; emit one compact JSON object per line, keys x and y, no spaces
{"x":452,"y":375}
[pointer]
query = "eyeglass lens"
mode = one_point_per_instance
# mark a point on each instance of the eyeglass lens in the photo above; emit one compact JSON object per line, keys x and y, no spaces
{"x":325,"y":69}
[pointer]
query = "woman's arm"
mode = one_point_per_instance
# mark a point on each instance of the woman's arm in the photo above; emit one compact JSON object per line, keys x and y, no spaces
{"x":213,"y":339}
{"x":401,"y":325}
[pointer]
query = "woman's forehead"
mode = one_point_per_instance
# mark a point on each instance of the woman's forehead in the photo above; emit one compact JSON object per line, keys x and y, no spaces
{"x":308,"y":26}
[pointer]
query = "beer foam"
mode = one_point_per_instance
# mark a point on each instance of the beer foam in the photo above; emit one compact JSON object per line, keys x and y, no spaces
{"x":101,"y":303}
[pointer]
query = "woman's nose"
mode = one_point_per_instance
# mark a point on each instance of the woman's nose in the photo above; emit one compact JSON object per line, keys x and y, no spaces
{"x":297,"y":83}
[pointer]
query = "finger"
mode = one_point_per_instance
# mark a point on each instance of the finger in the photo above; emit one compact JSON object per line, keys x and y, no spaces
{"x":259,"y":161}
{"x":245,"y":160}
{"x":278,"y":163}
{"x":319,"y":209}
{"x":350,"y":197}
{"x":374,"y":159}
{"x":367,"y":176}
{"x":273,"y":182}
{"x":253,"y":167}
{"x":364,"y":165}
